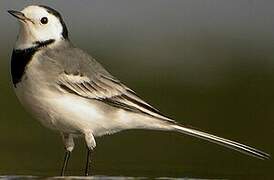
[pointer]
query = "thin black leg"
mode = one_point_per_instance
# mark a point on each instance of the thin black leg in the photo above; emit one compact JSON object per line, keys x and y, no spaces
{"x":88,"y":164}
{"x":65,"y":163}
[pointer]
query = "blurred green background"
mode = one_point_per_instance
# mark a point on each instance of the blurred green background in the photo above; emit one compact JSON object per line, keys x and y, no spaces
{"x":205,"y":63}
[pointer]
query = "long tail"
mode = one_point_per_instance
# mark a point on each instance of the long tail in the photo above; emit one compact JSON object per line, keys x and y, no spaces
{"x":223,"y":142}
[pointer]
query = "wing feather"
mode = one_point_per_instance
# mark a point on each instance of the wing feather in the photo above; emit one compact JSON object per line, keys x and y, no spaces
{"x":108,"y":90}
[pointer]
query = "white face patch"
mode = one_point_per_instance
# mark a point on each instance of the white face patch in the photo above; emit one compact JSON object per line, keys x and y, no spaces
{"x":36,"y":30}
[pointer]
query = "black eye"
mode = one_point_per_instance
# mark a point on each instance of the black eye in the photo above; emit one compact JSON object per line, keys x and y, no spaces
{"x":44,"y":20}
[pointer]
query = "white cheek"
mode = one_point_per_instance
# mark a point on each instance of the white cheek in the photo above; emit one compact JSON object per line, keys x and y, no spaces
{"x":30,"y":33}
{"x":44,"y":32}
{"x":53,"y":31}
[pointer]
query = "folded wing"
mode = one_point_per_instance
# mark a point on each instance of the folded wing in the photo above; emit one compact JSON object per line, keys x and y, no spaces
{"x":108,"y":90}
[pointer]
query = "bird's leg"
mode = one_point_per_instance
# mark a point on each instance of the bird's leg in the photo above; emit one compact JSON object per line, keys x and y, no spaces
{"x":90,"y":142}
{"x":65,"y":162}
{"x":69,"y":145}
{"x":88,"y":163}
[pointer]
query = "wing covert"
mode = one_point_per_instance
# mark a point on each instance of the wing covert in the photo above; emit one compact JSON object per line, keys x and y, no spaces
{"x":108,"y":90}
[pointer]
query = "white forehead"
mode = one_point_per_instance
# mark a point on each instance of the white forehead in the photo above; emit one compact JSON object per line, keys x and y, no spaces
{"x":35,"y":12}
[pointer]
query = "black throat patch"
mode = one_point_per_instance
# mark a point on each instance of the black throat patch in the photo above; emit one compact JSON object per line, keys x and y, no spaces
{"x":21,"y":58}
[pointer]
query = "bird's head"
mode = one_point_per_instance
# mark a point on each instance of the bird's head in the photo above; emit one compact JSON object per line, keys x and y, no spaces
{"x":39,"y":24}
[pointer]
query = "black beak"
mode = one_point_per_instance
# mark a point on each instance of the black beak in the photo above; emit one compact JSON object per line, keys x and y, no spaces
{"x":18,"y":15}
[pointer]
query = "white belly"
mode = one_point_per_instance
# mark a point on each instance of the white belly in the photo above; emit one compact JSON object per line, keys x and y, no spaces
{"x":73,"y":114}
{"x":70,"y":113}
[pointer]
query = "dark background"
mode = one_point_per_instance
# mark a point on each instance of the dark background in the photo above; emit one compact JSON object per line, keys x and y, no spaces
{"x":205,"y":63}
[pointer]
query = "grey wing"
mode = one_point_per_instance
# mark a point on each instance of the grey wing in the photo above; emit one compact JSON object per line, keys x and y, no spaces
{"x":108,"y":90}
{"x":87,"y":78}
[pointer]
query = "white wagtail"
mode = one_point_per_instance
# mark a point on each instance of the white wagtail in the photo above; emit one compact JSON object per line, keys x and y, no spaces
{"x":70,"y":92}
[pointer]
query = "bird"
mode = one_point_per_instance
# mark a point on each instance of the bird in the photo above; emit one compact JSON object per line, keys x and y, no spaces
{"x":68,"y":91}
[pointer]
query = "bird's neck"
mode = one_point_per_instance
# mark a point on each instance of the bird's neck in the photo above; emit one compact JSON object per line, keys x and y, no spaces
{"x":34,"y":44}
{"x":21,"y":57}
{"x":28,"y":40}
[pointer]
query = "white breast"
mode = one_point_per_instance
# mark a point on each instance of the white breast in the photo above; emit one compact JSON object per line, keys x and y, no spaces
{"x":70,"y":113}
{"x":61,"y":111}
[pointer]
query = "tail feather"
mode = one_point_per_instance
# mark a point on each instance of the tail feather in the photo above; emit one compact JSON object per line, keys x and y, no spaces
{"x":223,"y":142}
